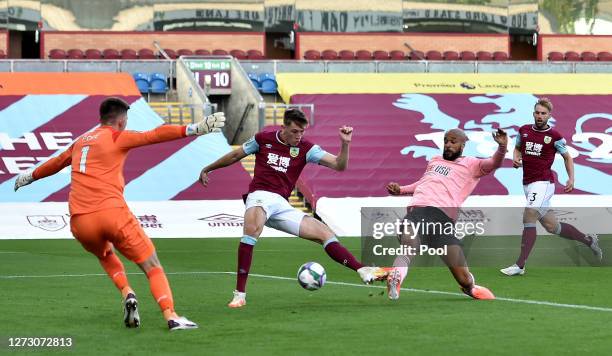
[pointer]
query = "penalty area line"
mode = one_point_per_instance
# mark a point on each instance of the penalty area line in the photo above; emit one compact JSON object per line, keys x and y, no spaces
{"x":414,"y":290}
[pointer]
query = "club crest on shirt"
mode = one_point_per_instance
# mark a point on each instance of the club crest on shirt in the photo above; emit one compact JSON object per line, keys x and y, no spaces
{"x":294,"y":151}
{"x":547,"y":139}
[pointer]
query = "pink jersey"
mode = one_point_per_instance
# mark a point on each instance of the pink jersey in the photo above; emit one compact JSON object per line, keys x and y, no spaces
{"x":446,"y":184}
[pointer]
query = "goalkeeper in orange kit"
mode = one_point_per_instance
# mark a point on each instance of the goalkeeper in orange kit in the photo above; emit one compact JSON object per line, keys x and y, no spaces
{"x":100,"y":218}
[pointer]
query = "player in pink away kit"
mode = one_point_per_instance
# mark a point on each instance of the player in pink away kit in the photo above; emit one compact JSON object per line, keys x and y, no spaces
{"x":436,"y":197}
{"x":535,"y":149}
{"x":280,"y":157}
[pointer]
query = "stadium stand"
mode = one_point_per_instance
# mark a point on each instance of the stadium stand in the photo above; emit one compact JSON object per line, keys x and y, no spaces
{"x":71,"y":106}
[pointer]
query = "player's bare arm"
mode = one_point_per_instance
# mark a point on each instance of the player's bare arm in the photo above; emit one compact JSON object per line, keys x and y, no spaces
{"x":227,"y":160}
{"x":569,"y":167}
{"x":517,"y":160}
{"x":339,"y":162}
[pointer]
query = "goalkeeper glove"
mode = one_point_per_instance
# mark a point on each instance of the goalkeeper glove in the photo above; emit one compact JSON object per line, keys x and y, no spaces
{"x":211,"y":123}
{"x":24,"y":178}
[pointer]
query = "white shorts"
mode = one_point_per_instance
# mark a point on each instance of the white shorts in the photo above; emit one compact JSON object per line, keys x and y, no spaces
{"x":538,"y":195}
{"x":280,"y":214}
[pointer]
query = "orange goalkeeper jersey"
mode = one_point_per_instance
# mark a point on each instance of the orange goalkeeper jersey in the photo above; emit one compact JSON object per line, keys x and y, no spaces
{"x":97,"y":158}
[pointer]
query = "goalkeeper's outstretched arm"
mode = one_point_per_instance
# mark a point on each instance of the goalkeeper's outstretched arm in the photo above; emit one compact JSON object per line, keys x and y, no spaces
{"x":227,"y":160}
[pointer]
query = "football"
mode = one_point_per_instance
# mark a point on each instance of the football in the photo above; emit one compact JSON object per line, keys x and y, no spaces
{"x":311,"y":276}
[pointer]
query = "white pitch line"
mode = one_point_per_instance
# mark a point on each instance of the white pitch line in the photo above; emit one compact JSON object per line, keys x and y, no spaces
{"x":511,"y":300}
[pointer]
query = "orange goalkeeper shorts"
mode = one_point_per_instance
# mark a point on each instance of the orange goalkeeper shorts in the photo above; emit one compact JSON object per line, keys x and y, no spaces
{"x":99,"y":231}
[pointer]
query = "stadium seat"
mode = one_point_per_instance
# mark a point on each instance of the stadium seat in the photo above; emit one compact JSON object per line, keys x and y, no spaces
{"x":93,"y":53}
{"x":184,"y":52}
{"x":381,"y":55}
{"x":484,"y":56}
{"x":268,"y":83}
{"x":2,"y":54}
{"x":500,"y":56}
{"x":555,"y":56}
{"x":329,"y":54}
{"x":346,"y":54}
{"x":145,"y":53}
{"x":238,"y":54}
{"x":158,"y":83}
{"x":110,"y":53}
{"x":57,"y":54}
{"x":363,"y":55}
{"x":604,"y":56}
{"x":128,"y":54}
{"x":572,"y":56}
{"x":397,"y":55}
{"x":417,"y":56}
{"x":142,"y":82}
{"x":219,"y":52}
{"x":451,"y":56}
{"x":312,"y":54}
{"x":202,"y":52}
{"x":434,"y":56}
{"x":255,"y":54}
{"x":467,"y":56}
{"x":255,"y":80}
{"x":171,"y":53}
{"x":588,"y":56}
{"x":75,"y":54}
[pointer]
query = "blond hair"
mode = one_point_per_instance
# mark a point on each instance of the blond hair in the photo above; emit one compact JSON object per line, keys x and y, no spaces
{"x":545,"y":102}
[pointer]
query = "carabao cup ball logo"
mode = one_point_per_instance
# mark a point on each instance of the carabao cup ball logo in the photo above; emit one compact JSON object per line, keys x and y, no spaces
{"x":311,"y":276}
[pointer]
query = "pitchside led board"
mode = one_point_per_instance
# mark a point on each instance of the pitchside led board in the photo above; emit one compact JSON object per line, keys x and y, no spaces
{"x":214,"y":75}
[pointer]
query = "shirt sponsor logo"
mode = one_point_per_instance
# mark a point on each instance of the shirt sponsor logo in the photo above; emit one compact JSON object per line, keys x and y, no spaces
{"x":533,"y":149}
{"x":278,"y":163}
{"x":224,"y":220}
{"x":47,"y":222}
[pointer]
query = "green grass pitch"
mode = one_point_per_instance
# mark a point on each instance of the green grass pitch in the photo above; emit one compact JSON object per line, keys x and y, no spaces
{"x":76,"y":299}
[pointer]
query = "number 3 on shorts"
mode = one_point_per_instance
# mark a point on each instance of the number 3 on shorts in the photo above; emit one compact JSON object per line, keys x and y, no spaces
{"x":533,"y":195}
{"x":83,"y":161}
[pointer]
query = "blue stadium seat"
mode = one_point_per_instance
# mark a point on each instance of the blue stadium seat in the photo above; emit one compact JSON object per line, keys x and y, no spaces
{"x":159,"y":83}
{"x":255,"y":80}
{"x":142,"y":82}
{"x":268,"y":83}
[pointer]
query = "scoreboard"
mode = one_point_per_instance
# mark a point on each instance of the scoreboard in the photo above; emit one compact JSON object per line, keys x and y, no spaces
{"x":214,"y":75}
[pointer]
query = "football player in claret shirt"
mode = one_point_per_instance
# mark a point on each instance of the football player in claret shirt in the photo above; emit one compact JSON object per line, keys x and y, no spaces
{"x":99,"y":216}
{"x":280,"y":157}
{"x":535,"y":149}
{"x":436,"y":197}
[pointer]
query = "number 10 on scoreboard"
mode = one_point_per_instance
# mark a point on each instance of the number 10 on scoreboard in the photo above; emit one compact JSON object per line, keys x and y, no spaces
{"x":217,"y":82}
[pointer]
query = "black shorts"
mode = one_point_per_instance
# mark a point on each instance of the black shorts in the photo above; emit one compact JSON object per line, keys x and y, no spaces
{"x":436,"y":229}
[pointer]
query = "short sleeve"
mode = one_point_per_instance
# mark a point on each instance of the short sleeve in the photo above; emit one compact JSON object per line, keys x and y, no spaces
{"x":251,"y":146}
{"x":560,"y":146}
{"x":315,"y":154}
{"x":517,"y":142}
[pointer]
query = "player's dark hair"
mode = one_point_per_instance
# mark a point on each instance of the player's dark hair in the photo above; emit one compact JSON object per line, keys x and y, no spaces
{"x":111,"y":108}
{"x":295,"y":115}
{"x":545,"y":102}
